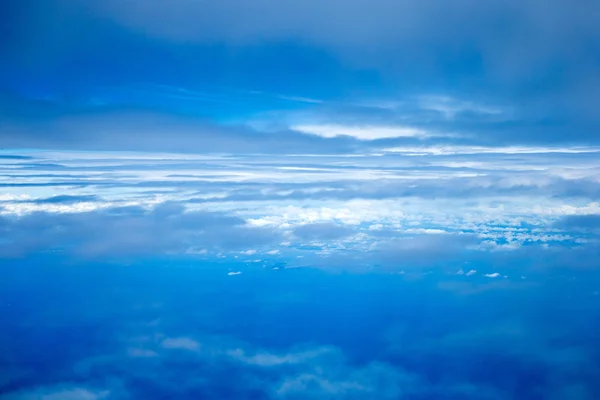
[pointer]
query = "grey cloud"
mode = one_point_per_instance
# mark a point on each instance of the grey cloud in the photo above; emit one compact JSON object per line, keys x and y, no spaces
{"x":513,"y":39}
{"x":550,"y":120}
{"x":364,"y":23}
{"x":426,"y":250}
{"x":67,"y":199}
{"x":452,"y":188}
{"x":127,"y":231}
{"x":14,"y":157}
{"x":322,"y":231}
{"x":296,"y":373}
{"x":61,"y":392}
{"x":48,"y":126}
{"x":579,"y":222}
{"x":375,"y":381}
{"x":541,"y":56}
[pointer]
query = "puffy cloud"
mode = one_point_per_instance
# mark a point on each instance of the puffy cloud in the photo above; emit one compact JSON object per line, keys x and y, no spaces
{"x":493,"y":275}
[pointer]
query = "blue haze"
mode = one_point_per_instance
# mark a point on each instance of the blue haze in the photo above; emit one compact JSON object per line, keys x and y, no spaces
{"x":299,"y":199}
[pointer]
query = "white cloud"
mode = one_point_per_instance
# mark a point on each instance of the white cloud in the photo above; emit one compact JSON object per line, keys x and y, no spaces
{"x":474,"y":150}
{"x":505,"y":201}
{"x":364,"y":132}
{"x":471,"y":272}
{"x":494,"y":275}
{"x":233,"y":273}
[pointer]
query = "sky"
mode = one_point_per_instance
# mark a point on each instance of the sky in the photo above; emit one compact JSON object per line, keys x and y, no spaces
{"x":299,"y":199}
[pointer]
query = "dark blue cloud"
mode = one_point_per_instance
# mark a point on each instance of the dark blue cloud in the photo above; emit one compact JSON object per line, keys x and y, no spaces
{"x":233,"y":61}
{"x":66,"y":199}
{"x":46,"y":124}
{"x":192,"y":331}
{"x":579,"y":222}
{"x":13,"y":157}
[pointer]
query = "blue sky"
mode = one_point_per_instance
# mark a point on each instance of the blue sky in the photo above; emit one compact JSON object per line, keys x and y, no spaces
{"x":299,"y":199}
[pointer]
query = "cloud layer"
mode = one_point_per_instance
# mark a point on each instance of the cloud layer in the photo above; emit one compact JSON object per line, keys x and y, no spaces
{"x":299,"y":199}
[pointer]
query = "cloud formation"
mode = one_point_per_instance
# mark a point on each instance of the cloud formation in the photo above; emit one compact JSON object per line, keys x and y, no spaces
{"x":128,"y":231}
{"x":271,"y":199}
{"x":509,"y":73}
{"x":188,"y":330}
{"x":433,"y":210}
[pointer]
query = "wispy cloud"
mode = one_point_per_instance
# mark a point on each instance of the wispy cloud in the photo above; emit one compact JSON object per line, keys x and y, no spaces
{"x":364,"y":132}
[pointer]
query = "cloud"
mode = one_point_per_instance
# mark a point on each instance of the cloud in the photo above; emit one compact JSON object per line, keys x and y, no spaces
{"x":379,"y":28}
{"x":450,"y":107}
{"x":123,"y":232}
{"x":494,"y":275}
{"x":377,"y":381}
{"x":180,"y":343}
{"x":68,"y":393}
{"x":67,"y":199}
{"x":144,"y":353}
{"x":579,"y":222}
{"x":471,"y":272}
{"x":321,"y":231}
{"x":425,"y":250}
{"x":332,"y":211}
{"x":46,"y":126}
{"x":475,"y":150}
{"x":360,"y":132}
{"x":391,"y":336}
{"x":264,"y":359}
{"x":503,"y":73}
